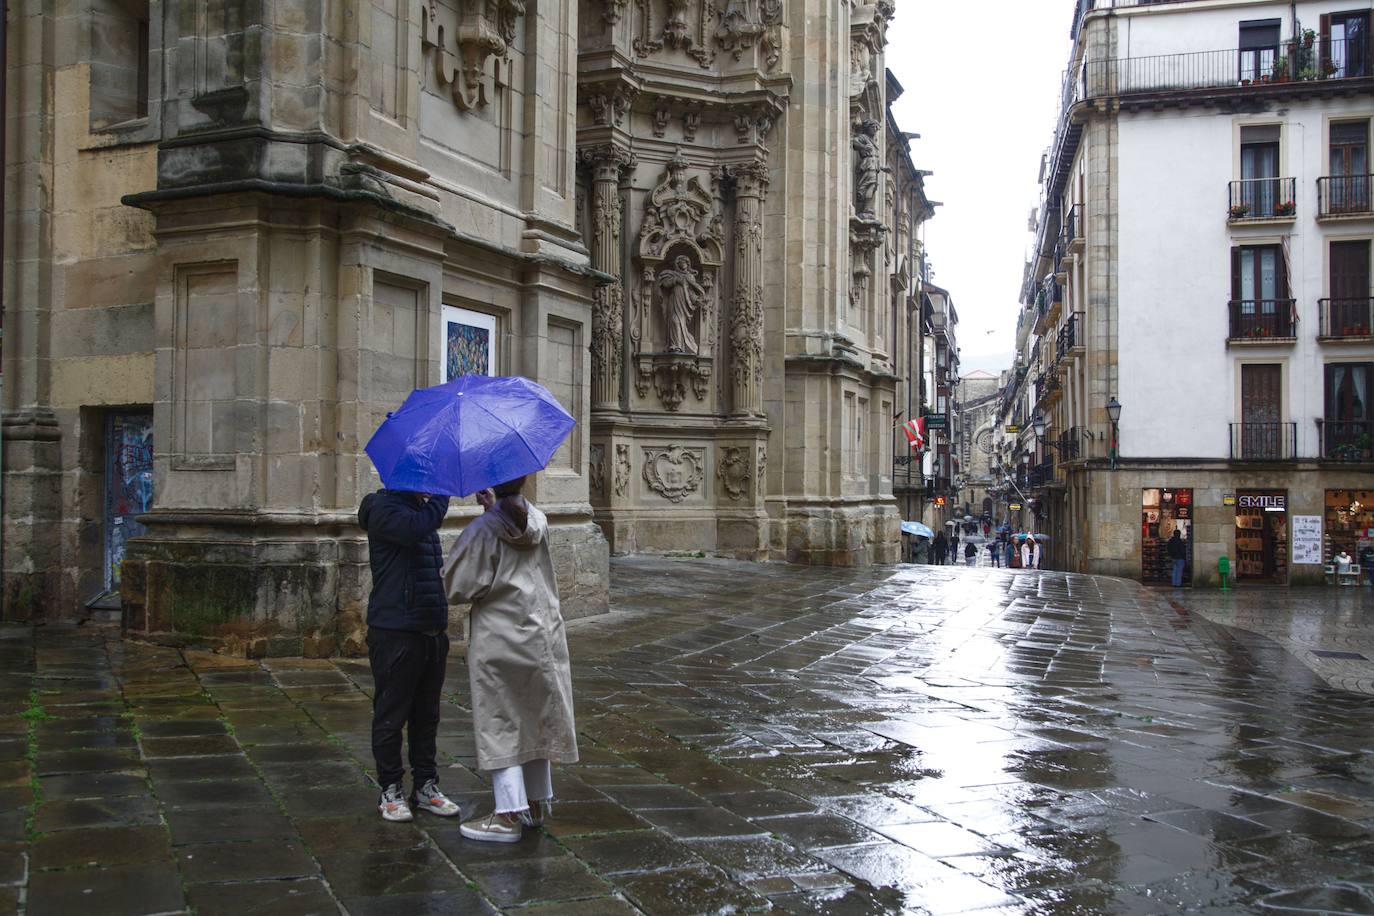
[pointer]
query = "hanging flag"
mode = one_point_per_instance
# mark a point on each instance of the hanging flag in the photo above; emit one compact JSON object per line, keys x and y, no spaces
{"x":915,"y":432}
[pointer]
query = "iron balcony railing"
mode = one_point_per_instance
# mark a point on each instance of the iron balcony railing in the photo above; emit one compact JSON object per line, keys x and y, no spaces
{"x":1264,"y":441}
{"x":1069,"y":335}
{"x":1346,"y":440}
{"x":1344,"y":195}
{"x":1069,"y":443}
{"x":1261,"y":319}
{"x":1073,"y":227}
{"x":1323,"y":60}
{"x":1346,"y":318}
{"x":1262,"y":198}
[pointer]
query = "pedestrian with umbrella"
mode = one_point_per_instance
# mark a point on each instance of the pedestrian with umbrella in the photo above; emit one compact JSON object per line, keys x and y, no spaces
{"x":464,"y":437}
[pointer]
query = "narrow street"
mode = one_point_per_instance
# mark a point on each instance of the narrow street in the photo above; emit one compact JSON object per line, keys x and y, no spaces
{"x":919,"y":739}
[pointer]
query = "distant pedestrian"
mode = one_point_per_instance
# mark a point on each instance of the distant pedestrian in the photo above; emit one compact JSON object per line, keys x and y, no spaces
{"x":970,"y":554}
{"x":1367,"y":561}
{"x":1178,"y":553}
{"x":1009,"y":552}
{"x":920,"y":551}
{"x":954,"y":546}
{"x":1030,"y":554}
{"x":995,"y":553}
{"x":939,"y":549}
{"x":407,"y":645}
{"x":518,"y":669}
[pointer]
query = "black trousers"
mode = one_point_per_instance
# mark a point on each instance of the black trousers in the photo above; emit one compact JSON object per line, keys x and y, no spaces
{"x":408,"y":678}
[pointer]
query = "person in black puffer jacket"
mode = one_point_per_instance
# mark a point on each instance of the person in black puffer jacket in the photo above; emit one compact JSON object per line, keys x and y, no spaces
{"x":407,"y":645}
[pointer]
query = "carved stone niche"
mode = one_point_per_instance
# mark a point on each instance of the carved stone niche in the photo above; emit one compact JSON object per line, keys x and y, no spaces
{"x":461,"y":37}
{"x":679,"y":253}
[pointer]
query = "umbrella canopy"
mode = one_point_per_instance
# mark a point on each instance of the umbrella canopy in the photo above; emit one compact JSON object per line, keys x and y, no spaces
{"x":951,"y":522}
{"x":468,"y":434}
{"x":916,"y":528}
{"x":1041,"y":537}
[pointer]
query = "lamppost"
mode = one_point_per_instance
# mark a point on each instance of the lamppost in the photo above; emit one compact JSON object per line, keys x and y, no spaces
{"x":1114,"y":414}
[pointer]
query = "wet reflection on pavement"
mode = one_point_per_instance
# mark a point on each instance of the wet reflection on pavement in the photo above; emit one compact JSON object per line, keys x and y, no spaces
{"x":919,"y":739}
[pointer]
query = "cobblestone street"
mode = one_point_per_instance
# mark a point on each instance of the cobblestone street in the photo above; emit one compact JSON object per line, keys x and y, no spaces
{"x":923,"y":739}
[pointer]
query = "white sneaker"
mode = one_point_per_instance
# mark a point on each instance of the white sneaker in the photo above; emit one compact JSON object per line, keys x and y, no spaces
{"x":429,"y":798}
{"x":393,"y":805}
{"x":494,"y":828}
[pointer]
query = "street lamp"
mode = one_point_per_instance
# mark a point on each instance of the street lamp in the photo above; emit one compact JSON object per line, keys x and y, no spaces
{"x":1114,"y":414}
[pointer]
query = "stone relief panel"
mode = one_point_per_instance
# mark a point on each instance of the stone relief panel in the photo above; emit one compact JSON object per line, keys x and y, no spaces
{"x":735,"y":471}
{"x":674,"y":472}
{"x":597,"y":462}
{"x":680,"y":25}
{"x":622,"y":470}
{"x":461,"y":37}
{"x":679,"y":255}
{"x":763,"y":471}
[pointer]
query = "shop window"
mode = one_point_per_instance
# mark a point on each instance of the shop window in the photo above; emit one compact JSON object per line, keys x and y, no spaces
{"x":119,"y":62}
{"x":1164,"y":511}
{"x":1349,"y":525}
{"x":1262,"y":536}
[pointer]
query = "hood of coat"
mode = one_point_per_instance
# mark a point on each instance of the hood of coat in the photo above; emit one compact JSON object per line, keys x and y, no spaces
{"x":505,"y":521}
{"x":371,"y":500}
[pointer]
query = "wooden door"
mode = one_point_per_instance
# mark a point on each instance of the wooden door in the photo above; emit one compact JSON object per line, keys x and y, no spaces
{"x":1349,"y":312}
{"x":1261,"y":404}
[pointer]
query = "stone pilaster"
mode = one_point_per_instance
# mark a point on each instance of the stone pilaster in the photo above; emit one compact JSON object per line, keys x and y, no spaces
{"x":746,"y":317}
{"x":607,"y":164}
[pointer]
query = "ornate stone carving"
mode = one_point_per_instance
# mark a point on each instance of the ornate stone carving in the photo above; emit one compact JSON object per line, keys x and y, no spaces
{"x":682,"y":297}
{"x":738,"y":30}
{"x":763,"y":471}
{"x":661,"y":116}
{"x":613,"y":11}
{"x":622,"y":470}
{"x":678,"y":32}
{"x":674,"y":472}
{"x":691,"y":120}
{"x":608,"y":163}
{"x":610,"y":104}
{"x":461,"y":44}
{"x":868,"y":165}
{"x":746,"y":313}
{"x":735,"y":471}
{"x":597,"y":469}
{"x":744,"y":128}
{"x":770,"y":12}
{"x":670,"y":375}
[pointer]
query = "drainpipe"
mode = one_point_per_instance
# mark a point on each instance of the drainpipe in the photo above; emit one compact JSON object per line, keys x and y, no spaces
{"x":4,"y":195}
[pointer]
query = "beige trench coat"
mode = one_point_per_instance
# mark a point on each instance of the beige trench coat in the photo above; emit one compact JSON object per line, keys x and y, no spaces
{"x":522,"y":706}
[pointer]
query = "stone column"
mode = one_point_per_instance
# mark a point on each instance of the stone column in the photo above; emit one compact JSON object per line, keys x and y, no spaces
{"x":607,"y":163}
{"x":746,"y":318}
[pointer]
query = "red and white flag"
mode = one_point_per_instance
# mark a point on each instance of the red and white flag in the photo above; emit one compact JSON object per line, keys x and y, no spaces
{"x":915,"y":432}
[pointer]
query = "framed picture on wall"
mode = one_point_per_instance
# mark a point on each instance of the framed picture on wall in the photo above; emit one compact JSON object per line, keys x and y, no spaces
{"x":468,"y":343}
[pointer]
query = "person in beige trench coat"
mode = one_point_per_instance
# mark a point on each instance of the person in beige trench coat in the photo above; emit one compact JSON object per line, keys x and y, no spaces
{"x":522,"y":706}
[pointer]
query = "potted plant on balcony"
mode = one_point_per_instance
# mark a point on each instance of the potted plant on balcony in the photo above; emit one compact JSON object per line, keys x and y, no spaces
{"x":1239,"y":211}
{"x":1281,"y":70}
{"x":1287,"y":208}
{"x":1364,"y":443}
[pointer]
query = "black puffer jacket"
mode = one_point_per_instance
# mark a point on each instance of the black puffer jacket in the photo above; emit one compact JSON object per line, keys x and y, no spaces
{"x":403,"y":545}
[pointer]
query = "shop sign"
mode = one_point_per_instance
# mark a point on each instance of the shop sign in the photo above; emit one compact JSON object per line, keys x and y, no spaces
{"x":1276,"y":503}
{"x":937,"y":421}
{"x":940,"y":500}
{"x":1015,"y":507}
{"x":1228,"y":500}
{"x":1307,"y":540}
{"x":1013,"y":430}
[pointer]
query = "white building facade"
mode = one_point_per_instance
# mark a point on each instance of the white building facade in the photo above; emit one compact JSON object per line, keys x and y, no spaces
{"x":1203,"y":266}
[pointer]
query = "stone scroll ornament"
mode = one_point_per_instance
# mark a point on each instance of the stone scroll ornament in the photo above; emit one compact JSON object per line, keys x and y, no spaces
{"x":674,"y":472}
{"x":734,"y":470}
{"x":461,"y":37}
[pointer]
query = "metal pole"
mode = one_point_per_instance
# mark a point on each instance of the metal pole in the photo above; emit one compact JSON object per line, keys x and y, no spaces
{"x":4,"y":196}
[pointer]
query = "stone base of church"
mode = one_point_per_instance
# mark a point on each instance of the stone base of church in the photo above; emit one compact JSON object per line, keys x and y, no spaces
{"x":852,"y":534}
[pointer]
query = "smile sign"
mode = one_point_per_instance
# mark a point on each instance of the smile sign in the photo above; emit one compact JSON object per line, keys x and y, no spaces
{"x":1263,"y":502}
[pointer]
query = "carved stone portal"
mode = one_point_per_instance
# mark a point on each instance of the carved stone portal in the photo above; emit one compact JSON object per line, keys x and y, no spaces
{"x":674,"y":472}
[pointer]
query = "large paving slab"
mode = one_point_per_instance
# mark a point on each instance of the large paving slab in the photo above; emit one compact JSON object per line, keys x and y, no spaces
{"x":912,"y":739}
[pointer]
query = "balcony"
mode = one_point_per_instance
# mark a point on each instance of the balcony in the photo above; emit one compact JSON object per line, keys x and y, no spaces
{"x":1344,"y":197}
{"x":1072,"y":239}
{"x":1262,"y":200}
{"x":1069,"y":444}
{"x":1261,"y":321}
{"x":1264,"y":441}
{"x":1289,"y":70}
{"x":1346,"y":319}
{"x":1346,"y":440}
{"x":1069,"y":337}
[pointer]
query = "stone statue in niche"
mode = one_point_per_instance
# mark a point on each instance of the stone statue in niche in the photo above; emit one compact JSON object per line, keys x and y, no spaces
{"x":676,"y":32}
{"x":683,"y":297}
{"x":867,"y":167}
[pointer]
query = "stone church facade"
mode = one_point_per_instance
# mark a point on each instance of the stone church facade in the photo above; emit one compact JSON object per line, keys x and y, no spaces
{"x":237,"y":234}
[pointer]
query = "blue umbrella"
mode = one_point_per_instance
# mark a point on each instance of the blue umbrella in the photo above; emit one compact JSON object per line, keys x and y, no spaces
{"x":917,"y":529}
{"x":468,"y":434}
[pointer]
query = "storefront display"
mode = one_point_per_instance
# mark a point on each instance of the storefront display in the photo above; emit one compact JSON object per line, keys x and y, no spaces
{"x":1349,"y":524}
{"x":1262,"y":536}
{"x":1164,"y":511}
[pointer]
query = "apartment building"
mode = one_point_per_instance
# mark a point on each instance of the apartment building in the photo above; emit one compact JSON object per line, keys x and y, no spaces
{"x":1199,"y":314}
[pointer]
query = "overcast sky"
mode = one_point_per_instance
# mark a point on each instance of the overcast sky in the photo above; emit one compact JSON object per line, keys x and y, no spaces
{"x":982,"y":92}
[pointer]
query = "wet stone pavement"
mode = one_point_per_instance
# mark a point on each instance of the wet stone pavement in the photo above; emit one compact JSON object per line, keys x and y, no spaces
{"x":918,"y":739}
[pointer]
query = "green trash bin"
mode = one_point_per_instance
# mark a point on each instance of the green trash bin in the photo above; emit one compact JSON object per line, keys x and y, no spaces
{"x":1224,"y":569}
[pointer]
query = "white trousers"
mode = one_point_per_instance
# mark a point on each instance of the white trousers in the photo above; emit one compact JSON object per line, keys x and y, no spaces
{"x":515,"y":787}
